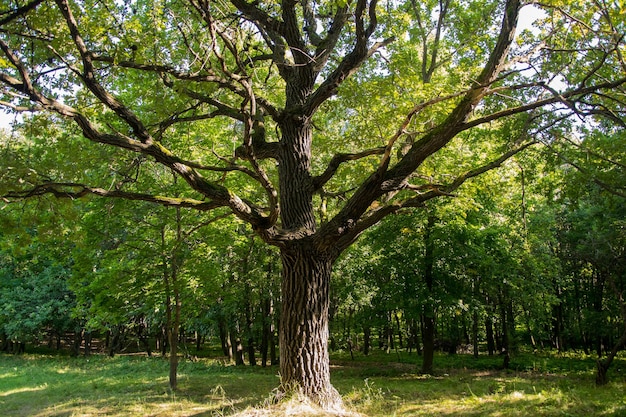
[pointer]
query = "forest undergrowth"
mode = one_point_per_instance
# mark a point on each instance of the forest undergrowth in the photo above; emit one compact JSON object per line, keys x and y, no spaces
{"x":538,"y":384}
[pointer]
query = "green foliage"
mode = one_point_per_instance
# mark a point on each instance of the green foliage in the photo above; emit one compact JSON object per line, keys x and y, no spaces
{"x":34,"y":296}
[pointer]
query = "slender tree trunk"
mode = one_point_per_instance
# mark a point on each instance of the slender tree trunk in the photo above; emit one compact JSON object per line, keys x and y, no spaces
{"x":174,"y":334}
{"x":76,"y":342}
{"x":304,"y":360}
{"x":428,"y":341}
{"x":236,"y":346}
{"x":199,"y":340}
{"x":428,"y":314}
{"x":249,"y":325}
{"x":389,"y":334}
{"x":173,"y":359}
{"x":505,"y":351}
{"x":230,"y":352}
{"x":224,"y":337}
{"x":367,"y":331}
{"x":143,"y":336}
{"x":475,"y":333}
{"x":265,"y":331}
{"x":4,"y":346}
{"x":557,"y":321}
{"x":414,"y":338}
{"x":582,"y":332}
{"x":604,"y":364}
{"x":400,"y":339}
{"x":171,"y":331}
{"x":88,"y":337}
{"x":114,"y":341}
{"x":273,"y":354}
{"x":173,"y":302}
{"x":512,"y":339}
{"x":251,"y":351}
{"x":597,"y":306}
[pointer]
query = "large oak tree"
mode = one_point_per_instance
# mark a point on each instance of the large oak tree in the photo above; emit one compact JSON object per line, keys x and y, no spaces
{"x":227,"y":95}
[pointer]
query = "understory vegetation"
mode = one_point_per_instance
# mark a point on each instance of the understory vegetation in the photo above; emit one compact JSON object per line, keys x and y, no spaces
{"x":537,"y":384}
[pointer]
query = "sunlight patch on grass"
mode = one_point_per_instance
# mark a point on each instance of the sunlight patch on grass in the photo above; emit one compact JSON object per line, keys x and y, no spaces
{"x":9,"y":374}
{"x":24,"y":389}
{"x":138,"y":387}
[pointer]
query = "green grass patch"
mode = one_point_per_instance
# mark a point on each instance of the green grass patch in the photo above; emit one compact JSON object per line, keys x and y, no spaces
{"x":377,"y":385}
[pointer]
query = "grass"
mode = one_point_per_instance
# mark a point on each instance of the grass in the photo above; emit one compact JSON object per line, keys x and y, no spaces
{"x":377,"y":385}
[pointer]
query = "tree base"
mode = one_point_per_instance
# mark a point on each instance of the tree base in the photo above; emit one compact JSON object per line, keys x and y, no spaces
{"x":296,"y":405}
{"x":328,"y":400}
{"x":292,"y":402}
{"x":601,"y":375}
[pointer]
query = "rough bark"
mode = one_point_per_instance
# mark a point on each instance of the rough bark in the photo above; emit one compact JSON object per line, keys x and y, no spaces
{"x":304,"y":360}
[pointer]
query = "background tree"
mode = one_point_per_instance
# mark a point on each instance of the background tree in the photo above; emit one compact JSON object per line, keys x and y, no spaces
{"x":591,"y":235}
{"x":226,"y":96}
{"x":37,"y":304}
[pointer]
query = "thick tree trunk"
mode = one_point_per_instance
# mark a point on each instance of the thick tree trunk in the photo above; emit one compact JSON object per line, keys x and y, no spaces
{"x":304,"y":360}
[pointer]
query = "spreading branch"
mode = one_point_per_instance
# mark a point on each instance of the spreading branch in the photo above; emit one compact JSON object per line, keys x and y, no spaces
{"x":337,"y":160}
{"x":382,"y":181}
{"x":20,"y":11}
{"x":89,"y":77}
{"x":76,"y":191}
{"x":374,"y":216}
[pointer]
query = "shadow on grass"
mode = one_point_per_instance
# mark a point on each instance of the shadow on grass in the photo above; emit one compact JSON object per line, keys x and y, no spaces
{"x":126,"y":387}
{"x":41,"y":386}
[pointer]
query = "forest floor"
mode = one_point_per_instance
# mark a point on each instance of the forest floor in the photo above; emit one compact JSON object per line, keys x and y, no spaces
{"x":537,"y":384}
